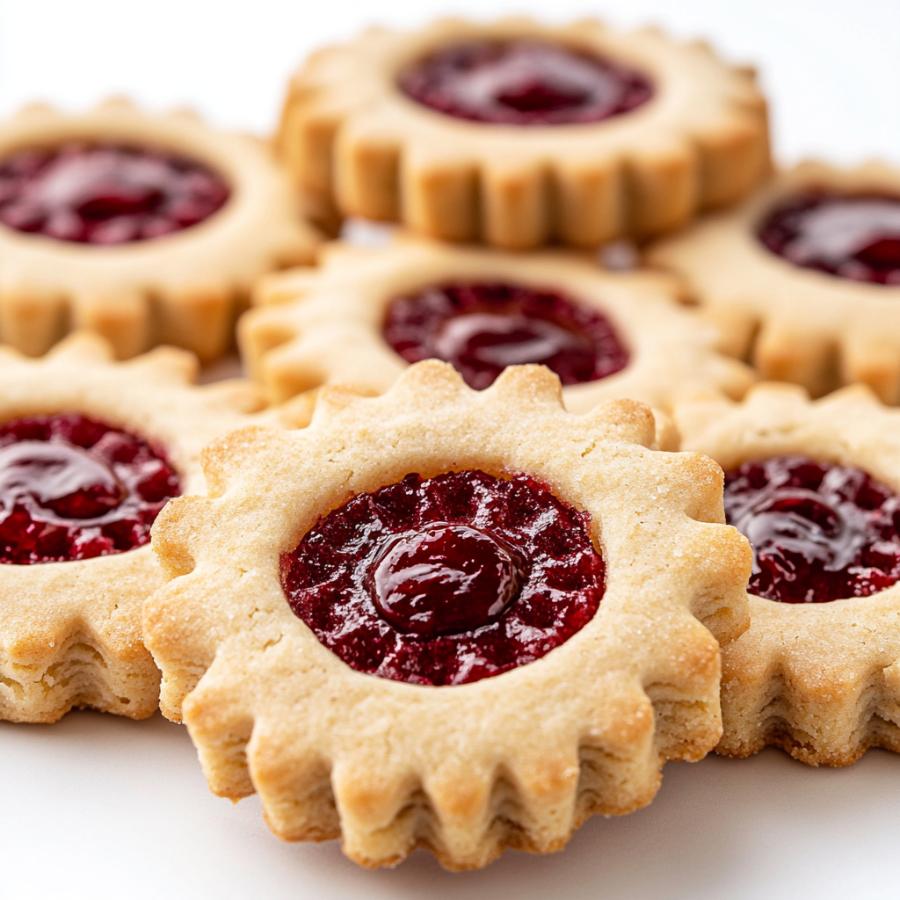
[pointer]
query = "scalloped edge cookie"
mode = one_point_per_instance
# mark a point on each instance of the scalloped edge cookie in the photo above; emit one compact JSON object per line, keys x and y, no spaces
{"x":353,"y":140}
{"x":325,"y":327}
{"x":70,"y":633}
{"x":184,"y":289}
{"x":819,"y":680}
{"x":795,"y":324}
{"x":517,"y":760}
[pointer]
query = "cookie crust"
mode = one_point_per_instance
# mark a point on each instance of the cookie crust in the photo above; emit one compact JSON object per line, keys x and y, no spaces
{"x":794,"y":324}
{"x":70,"y":632}
{"x":819,"y":680}
{"x":184,"y":289}
{"x":355,"y":141}
{"x":313,"y":329}
{"x":518,"y":760}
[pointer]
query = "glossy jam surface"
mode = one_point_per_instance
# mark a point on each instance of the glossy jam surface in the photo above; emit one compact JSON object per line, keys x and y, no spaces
{"x":105,"y":194}
{"x":524,"y":82}
{"x":72,"y":487}
{"x":483,"y":327}
{"x":446,"y":580}
{"x":855,"y":236}
{"x":819,"y":532}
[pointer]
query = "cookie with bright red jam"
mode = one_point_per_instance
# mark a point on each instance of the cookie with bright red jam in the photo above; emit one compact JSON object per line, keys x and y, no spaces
{"x":446,"y":580}
{"x":106,"y":193}
{"x":73,"y":487}
{"x":820,"y":532}
{"x":482,"y":327}
{"x":855,"y":236}
{"x":524,"y":82}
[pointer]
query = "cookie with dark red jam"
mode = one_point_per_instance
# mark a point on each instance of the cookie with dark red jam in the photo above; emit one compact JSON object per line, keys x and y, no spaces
{"x":819,"y":531}
{"x":518,"y":133}
{"x":91,"y":450}
{"x":852,"y":235}
{"x":73,"y":487}
{"x":524,"y":82}
{"x":446,"y":580}
{"x":482,"y":327}
{"x":146,"y":228}
{"x":803,"y":279}
{"x":815,"y":486}
{"x":436,"y":597}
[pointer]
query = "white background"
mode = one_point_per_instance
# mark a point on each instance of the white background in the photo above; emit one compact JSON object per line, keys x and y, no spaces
{"x":97,"y":807}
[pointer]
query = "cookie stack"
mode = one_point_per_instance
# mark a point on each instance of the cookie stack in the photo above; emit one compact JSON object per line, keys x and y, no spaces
{"x":456,"y":566}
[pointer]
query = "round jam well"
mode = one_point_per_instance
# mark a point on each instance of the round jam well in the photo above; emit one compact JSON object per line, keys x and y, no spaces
{"x":854,"y":236}
{"x":73,"y":487}
{"x":524,"y":82}
{"x":446,"y":580}
{"x":106,"y":193}
{"x":819,"y":532}
{"x":482,"y":327}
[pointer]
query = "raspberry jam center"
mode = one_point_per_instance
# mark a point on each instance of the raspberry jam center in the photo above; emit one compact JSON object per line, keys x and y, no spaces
{"x":446,"y":580}
{"x":819,"y":532}
{"x":855,"y":236}
{"x":524,"y":82}
{"x":483,"y":327}
{"x":105,"y":193}
{"x":72,"y":487}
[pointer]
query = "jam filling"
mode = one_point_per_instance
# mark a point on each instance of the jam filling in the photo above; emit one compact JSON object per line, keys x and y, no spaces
{"x":105,"y":193}
{"x":483,"y":327}
{"x":446,"y":580}
{"x":524,"y":82}
{"x":855,"y":236}
{"x":72,"y":487}
{"x":819,"y":532}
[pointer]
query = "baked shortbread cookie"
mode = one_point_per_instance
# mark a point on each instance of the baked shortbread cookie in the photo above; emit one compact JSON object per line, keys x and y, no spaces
{"x":148,"y":229}
{"x":518,"y":133}
{"x":804,"y":279}
{"x":90,"y":451}
{"x":816,"y":488}
{"x":366,"y":314}
{"x":445,"y":618}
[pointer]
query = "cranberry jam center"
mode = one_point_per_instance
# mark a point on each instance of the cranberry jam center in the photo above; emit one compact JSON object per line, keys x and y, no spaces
{"x":855,"y":236}
{"x":105,"y":193}
{"x":446,"y":580}
{"x":524,"y":82}
{"x":483,"y":327}
{"x":819,"y":532}
{"x":72,"y":487}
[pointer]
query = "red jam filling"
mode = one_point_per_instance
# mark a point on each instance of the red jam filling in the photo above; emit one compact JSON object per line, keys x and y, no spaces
{"x":72,"y":487}
{"x":105,"y":193}
{"x":524,"y":82}
{"x":855,"y":236}
{"x":819,"y":532}
{"x":446,"y":580}
{"x":483,"y":327}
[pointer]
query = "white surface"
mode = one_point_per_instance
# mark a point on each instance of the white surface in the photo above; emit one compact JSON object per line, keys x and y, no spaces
{"x":100,"y":808}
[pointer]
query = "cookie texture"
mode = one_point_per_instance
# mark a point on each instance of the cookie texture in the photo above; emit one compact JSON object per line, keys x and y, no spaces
{"x":184,"y":289}
{"x":517,"y":760}
{"x":355,"y":141}
{"x":70,"y":632}
{"x":819,"y":680}
{"x":793,"y":323}
{"x":326,"y":327}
